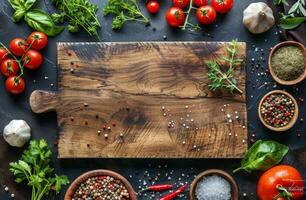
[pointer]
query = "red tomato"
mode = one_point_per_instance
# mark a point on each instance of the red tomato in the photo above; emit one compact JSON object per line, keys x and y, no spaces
{"x":175,"y":17}
{"x":222,"y":6}
{"x":3,"y":54}
{"x":18,"y":46}
{"x":199,"y":3}
{"x":181,"y":3}
{"x":206,"y":15}
{"x":32,"y":59}
{"x":14,"y":84}
{"x":9,"y":67}
{"x":281,"y":176}
{"x":153,"y":6}
{"x":38,"y":40}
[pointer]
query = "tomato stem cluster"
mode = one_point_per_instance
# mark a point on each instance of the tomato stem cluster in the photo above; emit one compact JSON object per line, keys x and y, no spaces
{"x":187,"y":23}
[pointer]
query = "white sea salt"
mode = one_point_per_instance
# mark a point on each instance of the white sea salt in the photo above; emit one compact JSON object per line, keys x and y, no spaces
{"x":213,"y":188}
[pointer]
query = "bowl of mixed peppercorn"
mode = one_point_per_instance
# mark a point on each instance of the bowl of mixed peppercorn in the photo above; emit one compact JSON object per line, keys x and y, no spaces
{"x":100,"y":185}
{"x":278,"y":110}
{"x":287,"y":63}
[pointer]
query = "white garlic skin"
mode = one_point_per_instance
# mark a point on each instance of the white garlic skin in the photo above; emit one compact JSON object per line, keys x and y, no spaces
{"x":258,"y":17}
{"x":17,"y":133}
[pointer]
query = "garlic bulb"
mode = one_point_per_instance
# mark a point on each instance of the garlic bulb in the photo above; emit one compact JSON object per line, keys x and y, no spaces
{"x":258,"y":17}
{"x":17,"y":133}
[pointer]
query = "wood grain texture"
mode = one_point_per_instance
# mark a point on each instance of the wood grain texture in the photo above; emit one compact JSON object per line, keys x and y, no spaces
{"x":124,"y":86}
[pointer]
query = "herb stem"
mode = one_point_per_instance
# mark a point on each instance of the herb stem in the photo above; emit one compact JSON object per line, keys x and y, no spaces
{"x":187,"y":16}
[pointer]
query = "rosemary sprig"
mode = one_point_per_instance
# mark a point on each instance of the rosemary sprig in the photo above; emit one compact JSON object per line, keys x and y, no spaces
{"x":224,"y":80}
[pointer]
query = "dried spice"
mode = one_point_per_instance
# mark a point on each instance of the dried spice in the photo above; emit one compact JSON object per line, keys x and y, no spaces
{"x":102,"y":187}
{"x":288,"y":63}
{"x":277,"y":110}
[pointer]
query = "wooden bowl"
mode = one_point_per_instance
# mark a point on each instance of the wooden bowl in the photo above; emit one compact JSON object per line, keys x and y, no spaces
{"x":274,"y":76}
{"x":101,"y":172}
{"x":223,"y":174}
{"x":294,"y":118}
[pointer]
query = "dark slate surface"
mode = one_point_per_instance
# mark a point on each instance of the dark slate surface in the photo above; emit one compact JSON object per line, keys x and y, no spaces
{"x":173,"y":171}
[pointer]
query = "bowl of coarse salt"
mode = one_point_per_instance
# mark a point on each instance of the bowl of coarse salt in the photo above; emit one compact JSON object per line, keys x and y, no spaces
{"x":214,"y":184}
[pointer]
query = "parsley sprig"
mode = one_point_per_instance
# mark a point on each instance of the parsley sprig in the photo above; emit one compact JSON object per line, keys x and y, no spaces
{"x":296,"y":14}
{"x":79,"y":14}
{"x":123,"y":11}
{"x":224,"y":80}
{"x":34,"y":167}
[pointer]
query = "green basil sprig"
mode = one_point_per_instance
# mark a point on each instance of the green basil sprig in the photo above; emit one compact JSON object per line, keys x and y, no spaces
{"x":263,"y":155}
{"x":37,"y":19}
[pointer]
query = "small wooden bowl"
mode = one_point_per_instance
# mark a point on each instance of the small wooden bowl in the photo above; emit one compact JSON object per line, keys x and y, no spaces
{"x":274,"y":76}
{"x":294,"y":118}
{"x":223,"y":174}
{"x":75,"y":184}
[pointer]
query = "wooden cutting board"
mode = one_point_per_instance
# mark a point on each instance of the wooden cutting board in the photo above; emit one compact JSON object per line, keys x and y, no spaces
{"x":144,"y":100}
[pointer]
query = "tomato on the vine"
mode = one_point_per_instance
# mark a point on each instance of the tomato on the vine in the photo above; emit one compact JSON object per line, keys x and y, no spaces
{"x":32,"y":59}
{"x":175,"y":17}
{"x":38,"y":40}
{"x":222,"y":6}
{"x":153,"y":6}
{"x":3,"y":54}
{"x":281,"y":182}
{"x":18,"y":46}
{"x":181,"y":3}
{"x":206,"y":15}
{"x":9,"y":67}
{"x":199,"y":3}
{"x":15,"y":84}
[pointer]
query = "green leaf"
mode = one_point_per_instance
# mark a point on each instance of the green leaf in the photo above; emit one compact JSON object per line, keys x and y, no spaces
{"x":17,"y":4}
{"x":41,"y":21}
{"x":73,"y":28}
{"x":263,"y":155}
{"x":294,"y":7}
{"x":291,"y":23}
{"x":302,"y":10}
{"x":59,"y":182}
{"x":29,"y":4}
{"x":18,"y":14}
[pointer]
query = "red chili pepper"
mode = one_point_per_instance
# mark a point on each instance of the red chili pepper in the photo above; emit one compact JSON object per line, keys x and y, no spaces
{"x":157,"y":188}
{"x":174,"y":194}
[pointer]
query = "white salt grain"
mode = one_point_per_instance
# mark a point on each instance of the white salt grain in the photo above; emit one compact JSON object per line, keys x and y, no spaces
{"x":213,"y":188}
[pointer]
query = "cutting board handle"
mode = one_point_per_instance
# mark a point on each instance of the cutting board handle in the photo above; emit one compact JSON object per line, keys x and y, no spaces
{"x":43,"y":101}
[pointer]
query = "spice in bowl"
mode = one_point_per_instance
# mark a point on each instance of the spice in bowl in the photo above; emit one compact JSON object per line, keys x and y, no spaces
{"x":288,"y":63}
{"x":213,"y":187}
{"x":101,"y":187}
{"x":277,"y":110}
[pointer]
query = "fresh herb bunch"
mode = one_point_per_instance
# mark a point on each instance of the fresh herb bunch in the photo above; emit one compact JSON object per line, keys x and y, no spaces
{"x":224,"y":80}
{"x":123,"y":11}
{"x":263,"y":155}
{"x":296,"y":14}
{"x":79,"y":14}
{"x":34,"y":167}
{"x":37,"y":19}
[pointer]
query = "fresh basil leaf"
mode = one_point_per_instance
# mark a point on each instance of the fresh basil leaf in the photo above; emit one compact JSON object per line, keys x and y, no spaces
{"x":18,"y":14}
{"x":263,"y":155}
{"x":17,"y":4}
{"x":29,"y":4}
{"x":294,"y":7}
{"x":291,"y":23}
{"x":41,"y":21}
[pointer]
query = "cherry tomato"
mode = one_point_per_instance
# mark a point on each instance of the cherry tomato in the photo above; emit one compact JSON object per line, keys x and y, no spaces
{"x":206,"y":15}
{"x":277,"y":178}
{"x":38,"y":40}
{"x":199,"y":3}
{"x":153,"y":6}
{"x":181,"y":3}
{"x":3,"y":54}
{"x":18,"y":46}
{"x":9,"y":67}
{"x":32,"y":59}
{"x":175,"y":17}
{"x":222,"y":6}
{"x":14,"y":84}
